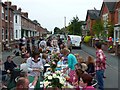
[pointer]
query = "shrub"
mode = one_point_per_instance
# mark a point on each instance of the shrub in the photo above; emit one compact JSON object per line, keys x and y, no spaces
{"x":87,"y":39}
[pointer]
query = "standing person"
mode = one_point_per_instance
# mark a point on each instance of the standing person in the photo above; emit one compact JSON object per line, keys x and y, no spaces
{"x":100,"y":65}
{"x":24,"y":41}
{"x":20,"y":44}
{"x":69,"y":43}
{"x":33,"y":41}
{"x":59,"y":41}
{"x":72,"y":61}
{"x":40,"y":39}
{"x":28,"y":46}
{"x":49,"y":42}
{"x":43,"y":44}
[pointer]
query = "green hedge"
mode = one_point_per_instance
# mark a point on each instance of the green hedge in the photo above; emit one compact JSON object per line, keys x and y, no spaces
{"x":87,"y":39}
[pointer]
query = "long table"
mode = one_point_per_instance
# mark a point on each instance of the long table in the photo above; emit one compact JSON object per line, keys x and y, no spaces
{"x":40,"y":79}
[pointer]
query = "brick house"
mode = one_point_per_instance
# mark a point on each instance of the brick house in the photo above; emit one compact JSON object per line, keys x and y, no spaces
{"x":91,"y":17}
{"x":117,"y":28}
{"x":1,"y":6}
{"x":15,"y":24}
{"x":117,"y":23}
{"x":25,"y":27}
{"x":107,"y":15}
{"x":6,"y":24}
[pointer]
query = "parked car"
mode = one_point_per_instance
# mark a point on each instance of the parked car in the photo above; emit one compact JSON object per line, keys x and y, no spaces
{"x":76,"y":40}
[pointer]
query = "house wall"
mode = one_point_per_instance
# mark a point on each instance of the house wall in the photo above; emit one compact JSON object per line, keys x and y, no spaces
{"x":17,"y":26}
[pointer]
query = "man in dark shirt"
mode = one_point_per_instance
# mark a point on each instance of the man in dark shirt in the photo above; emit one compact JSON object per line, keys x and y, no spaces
{"x":9,"y":64}
{"x":59,"y":41}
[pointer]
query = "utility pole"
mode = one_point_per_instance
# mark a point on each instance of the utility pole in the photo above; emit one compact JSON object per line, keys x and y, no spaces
{"x":65,"y":32}
{"x":64,"y":21}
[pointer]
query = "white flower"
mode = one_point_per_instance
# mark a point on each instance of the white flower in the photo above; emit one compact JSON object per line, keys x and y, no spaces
{"x":45,"y":75}
{"x":54,"y":75}
{"x":57,"y":72}
{"x":62,"y":81}
{"x":46,"y":83}
{"x":50,"y":77}
{"x":61,"y":70}
{"x":53,"y":62}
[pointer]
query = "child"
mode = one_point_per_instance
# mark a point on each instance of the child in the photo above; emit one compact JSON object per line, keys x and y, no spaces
{"x":91,"y":66}
{"x":86,"y":82}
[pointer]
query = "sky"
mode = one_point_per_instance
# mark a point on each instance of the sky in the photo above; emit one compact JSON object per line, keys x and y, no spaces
{"x":52,"y":13}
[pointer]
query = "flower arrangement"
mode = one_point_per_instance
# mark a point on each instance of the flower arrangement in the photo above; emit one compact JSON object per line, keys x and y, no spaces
{"x":53,"y":65}
{"x":54,"y":80}
{"x":53,"y":62}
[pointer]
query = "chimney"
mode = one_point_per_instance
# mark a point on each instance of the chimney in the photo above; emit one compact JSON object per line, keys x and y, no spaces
{"x":8,"y":3}
{"x":19,"y":9}
{"x":25,"y":14}
{"x":14,"y":7}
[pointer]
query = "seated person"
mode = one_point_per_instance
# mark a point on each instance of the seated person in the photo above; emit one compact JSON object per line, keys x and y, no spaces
{"x":86,"y":82}
{"x":3,"y":77}
{"x":9,"y":64}
{"x":24,"y":52}
{"x":91,"y":66}
{"x":79,"y":69}
{"x":60,"y":64}
{"x":23,"y":83}
{"x":24,"y":74}
{"x":2,"y":72}
{"x":35,"y":65}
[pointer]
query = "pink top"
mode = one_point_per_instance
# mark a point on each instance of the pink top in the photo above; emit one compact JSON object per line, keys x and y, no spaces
{"x":89,"y":88}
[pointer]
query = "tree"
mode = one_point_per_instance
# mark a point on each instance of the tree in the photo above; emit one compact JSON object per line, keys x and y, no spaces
{"x":74,"y":26}
{"x":56,"y":30}
{"x":98,"y":28}
{"x":110,"y":29}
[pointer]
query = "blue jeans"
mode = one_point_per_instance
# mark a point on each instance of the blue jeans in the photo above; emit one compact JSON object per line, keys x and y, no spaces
{"x":99,"y":77}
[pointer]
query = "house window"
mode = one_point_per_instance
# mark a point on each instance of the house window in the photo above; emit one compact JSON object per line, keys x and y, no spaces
{"x":6,"y":34}
{"x":88,"y":25}
{"x":16,"y":19}
{"x":105,"y":20}
{"x":6,"y":15}
{"x":2,"y":34}
{"x":11,"y":34}
{"x":2,"y":13}
{"x":119,"y":16}
{"x":16,"y":33}
{"x":11,"y":16}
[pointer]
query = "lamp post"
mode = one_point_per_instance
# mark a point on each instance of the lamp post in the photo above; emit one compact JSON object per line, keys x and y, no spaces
{"x":8,"y":32}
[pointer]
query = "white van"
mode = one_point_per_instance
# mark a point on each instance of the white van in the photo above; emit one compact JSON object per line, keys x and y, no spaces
{"x":76,"y":40}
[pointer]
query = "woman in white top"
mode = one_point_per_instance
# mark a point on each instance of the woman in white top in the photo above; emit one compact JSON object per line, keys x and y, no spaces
{"x":35,"y":65}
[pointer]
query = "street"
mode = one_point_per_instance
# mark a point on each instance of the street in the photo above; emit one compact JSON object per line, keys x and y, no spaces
{"x":112,"y":64}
